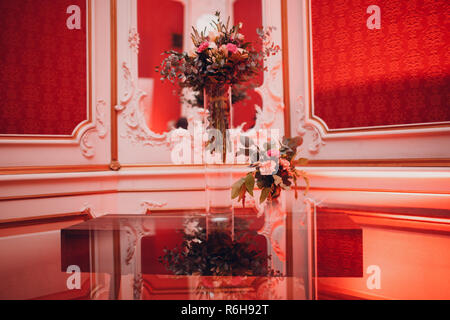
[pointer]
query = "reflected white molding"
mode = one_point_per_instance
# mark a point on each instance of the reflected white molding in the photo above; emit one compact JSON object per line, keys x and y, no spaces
{"x":86,"y":145}
{"x":100,"y":291}
{"x":148,"y":205}
{"x":138,"y":282}
{"x":274,"y":229}
{"x":134,"y":234}
{"x":87,"y":209}
{"x":303,"y":127}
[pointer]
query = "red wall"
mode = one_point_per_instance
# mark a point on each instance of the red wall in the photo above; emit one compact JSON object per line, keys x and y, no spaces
{"x":43,"y":67}
{"x":249,"y":12}
{"x":397,"y":75}
{"x":157,"y":21}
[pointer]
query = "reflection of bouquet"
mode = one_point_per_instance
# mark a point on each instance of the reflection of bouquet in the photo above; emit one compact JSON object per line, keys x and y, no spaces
{"x":218,"y":254}
{"x":275,"y":169}
{"x":220,"y":57}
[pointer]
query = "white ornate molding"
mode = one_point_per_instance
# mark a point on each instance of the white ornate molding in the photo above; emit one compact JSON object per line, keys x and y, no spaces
{"x":303,"y":127}
{"x":136,"y":129}
{"x":273,"y":104}
{"x":149,"y":205}
{"x":86,"y":145}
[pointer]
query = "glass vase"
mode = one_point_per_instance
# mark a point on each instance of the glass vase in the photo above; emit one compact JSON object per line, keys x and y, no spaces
{"x":218,"y":158}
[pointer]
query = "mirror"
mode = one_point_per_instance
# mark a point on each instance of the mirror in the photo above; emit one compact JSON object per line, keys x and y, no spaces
{"x":159,"y":31}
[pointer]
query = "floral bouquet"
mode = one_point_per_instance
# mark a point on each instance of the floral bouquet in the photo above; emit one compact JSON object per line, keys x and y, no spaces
{"x":275,"y":169}
{"x":221,"y":59}
{"x":217,"y":254}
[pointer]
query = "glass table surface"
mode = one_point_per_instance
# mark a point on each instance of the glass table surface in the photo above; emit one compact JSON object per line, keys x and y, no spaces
{"x":292,"y":249}
{"x":169,"y":255}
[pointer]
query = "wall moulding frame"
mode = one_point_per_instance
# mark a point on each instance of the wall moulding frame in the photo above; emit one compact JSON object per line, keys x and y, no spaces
{"x":86,"y":148}
{"x":84,"y":125}
{"x":406,"y":145}
{"x":138,"y":144}
{"x":322,"y":123}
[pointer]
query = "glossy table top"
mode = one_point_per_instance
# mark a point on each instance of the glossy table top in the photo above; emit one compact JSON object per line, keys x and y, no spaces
{"x":280,"y":252}
{"x":203,"y":256}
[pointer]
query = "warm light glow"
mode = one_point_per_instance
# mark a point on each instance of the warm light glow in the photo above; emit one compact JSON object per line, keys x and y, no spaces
{"x":380,"y":174}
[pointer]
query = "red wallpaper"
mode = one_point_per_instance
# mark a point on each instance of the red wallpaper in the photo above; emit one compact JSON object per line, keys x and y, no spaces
{"x":397,"y":75}
{"x":43,"y":86}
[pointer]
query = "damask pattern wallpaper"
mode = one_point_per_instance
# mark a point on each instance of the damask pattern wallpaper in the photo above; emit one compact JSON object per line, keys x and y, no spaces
{"x":43,"y":82}
{"x":395,"y":75}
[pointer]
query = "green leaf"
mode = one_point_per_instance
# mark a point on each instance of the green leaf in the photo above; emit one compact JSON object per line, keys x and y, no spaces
{"x":250,"y":183}
{"x":264,"y":194}
{"x":242,"y":192}
{"x":236,"y":188}
{"x":305,"y":177}
{"x":294,"y":143}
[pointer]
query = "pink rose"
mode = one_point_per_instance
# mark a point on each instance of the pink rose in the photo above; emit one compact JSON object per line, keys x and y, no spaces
{"x":268,"y":168}
{"x":232,"y":48}
{"x":284,"y":163}
{"x":273,"y":153}
{"x":203,"y":47}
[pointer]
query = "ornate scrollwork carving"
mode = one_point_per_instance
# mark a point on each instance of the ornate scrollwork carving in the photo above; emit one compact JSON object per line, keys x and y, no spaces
{"x":136,"y":129}
{"x":274,"y":226}
{"x":303,"y":127}
{"x":86,"y":145}
{"x":149,"y":205}
{"x":273,"y":100}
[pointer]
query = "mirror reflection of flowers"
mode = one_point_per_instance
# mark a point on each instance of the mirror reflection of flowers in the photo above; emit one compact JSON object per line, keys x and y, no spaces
{"x":218,"y":254}
{"x":220,"y":57}
{"x":275,"y":169}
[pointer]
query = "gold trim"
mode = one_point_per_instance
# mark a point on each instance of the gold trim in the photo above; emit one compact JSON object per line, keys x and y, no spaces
{"x":52,"y":169}
{"x":322,"y":123}
{"x":373,"y":190}
{"x":82,"y":124}
{"x":161,"y":190}
{"x":114,"y":165}
{"x":56,"y":195}
{"x":285,"y":53}
{"x":425,"y":162}
{"x":391,"y":216}
{"x":171,"y":165}
{"x":287,"y":133}
{"x":25,"y":221}
{"x":329,"y":292}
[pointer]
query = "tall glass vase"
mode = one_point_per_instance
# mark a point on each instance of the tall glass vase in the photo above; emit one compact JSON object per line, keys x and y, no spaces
{"x":218,"y":159}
